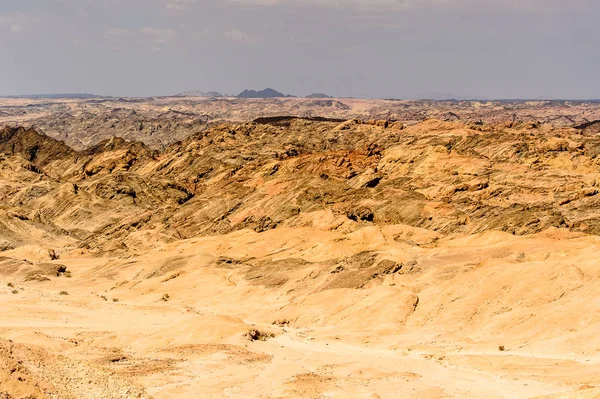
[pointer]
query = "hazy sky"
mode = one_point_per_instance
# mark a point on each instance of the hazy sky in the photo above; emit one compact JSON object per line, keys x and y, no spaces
{"x":361,"y":48}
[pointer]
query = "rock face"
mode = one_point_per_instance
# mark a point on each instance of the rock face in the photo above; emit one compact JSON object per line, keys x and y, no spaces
{"x":592,"y":127}
{"x":32,"y":146}
{"x":374,"y":253}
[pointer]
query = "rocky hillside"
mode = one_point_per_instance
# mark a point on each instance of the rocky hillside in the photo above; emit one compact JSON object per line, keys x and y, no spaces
{"x":446,"y":177}
{"x":303,"y":257}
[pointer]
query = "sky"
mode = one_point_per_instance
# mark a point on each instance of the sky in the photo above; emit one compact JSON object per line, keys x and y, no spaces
{"x":347,"y":48}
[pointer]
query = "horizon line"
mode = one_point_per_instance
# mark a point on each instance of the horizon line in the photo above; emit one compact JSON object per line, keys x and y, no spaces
{"x":86,"y":95}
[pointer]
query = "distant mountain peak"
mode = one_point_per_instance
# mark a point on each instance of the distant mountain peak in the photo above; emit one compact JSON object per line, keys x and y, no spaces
{"x":266,"y":93}
{"x":318,"y":95}
{"x":198,"y":93}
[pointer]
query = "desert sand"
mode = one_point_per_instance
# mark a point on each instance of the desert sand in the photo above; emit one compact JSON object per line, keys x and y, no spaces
{"x":299,"y":258}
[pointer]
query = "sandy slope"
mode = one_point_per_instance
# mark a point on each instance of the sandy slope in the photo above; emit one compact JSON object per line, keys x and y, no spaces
{"x":342,"y":343}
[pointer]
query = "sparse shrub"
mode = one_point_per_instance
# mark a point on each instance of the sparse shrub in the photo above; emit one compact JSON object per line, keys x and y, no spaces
{"x":281,"y":323}
{"x":256,"y":335}
{"x":501,"y":348}
{"x":115,"y":299}
{"x":10,"y":285}
{"x":68,"y":274}
{"x":165,"y":298}
{"x":15,"y":291}
{"x":61,"y":269}
{"x":104,"y":297}
{"x":63,"y":293}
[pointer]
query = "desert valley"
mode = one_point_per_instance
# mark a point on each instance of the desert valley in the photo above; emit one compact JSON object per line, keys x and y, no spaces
{"x":195,"y":247}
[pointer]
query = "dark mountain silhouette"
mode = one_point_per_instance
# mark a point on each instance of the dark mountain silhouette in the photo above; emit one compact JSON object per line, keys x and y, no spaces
{"x":318,"y":95}
{"x":266,"y":93}
{"x":198,"y":93}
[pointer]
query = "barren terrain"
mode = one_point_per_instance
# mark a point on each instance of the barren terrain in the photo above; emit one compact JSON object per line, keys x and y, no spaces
{"x":391,"y":254}
{"x":161,"y":121}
